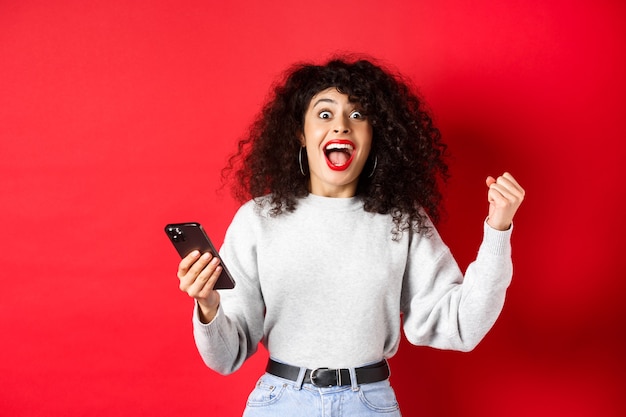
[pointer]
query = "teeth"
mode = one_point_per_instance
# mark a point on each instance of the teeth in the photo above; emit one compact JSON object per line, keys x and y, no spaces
{"x":339,"y":146}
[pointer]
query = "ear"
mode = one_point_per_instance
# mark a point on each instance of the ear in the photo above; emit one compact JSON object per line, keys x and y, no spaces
{"x":302,"y":139}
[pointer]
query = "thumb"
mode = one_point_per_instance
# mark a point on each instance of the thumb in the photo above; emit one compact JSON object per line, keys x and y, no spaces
{"x":490,"y":180}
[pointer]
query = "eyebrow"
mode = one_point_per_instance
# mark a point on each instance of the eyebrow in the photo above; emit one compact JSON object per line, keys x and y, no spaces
{"x":324,"y":100}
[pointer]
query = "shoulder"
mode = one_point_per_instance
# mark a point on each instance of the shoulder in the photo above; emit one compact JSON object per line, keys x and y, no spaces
{"x":253,"y":212}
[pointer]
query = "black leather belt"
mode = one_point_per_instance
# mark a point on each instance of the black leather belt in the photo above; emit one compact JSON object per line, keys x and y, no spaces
{"x":324,"y":377}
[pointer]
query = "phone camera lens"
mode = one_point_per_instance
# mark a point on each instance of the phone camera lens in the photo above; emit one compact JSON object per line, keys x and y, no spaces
{"x":176,"y":234}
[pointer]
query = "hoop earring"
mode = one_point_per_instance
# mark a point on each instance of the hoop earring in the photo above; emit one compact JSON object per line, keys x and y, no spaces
{"x":300,"y":161}
{"x":374,"y":168}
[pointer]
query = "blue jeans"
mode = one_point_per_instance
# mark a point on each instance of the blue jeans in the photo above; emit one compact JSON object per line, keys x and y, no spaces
{"x":274,"y":396}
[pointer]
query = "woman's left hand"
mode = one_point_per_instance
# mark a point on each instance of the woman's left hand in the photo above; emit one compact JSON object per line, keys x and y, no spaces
{"x":505,"y":196}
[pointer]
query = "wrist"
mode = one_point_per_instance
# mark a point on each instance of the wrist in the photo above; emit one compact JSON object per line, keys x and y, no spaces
{"x":500,"y":226}
{"x":206,"y":313}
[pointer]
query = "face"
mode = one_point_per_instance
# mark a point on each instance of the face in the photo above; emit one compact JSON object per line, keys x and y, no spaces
{"x":338,"y":139}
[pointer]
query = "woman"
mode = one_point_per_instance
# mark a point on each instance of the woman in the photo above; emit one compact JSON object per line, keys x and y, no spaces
{"x":340,"y":172}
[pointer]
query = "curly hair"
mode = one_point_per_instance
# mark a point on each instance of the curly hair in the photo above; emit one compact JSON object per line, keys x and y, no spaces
{"x":407,"y":147}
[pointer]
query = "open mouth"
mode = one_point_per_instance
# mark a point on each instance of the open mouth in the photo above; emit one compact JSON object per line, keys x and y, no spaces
{"x":339,"y":154}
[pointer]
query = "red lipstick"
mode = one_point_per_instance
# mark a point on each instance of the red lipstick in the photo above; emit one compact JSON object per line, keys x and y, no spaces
{"x":339,"y":154}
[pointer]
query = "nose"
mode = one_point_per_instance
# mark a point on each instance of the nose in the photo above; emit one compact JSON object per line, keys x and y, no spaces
{"x":341,"y":125}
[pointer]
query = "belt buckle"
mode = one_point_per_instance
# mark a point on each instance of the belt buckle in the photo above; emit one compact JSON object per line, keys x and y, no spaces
{"x":325,"y":378}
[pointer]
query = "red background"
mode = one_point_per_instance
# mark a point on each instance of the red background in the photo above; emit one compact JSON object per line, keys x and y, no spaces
{"x":116,"y":117}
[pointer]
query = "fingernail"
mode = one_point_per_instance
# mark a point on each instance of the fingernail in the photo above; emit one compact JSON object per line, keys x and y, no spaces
{"x":206,"y":256}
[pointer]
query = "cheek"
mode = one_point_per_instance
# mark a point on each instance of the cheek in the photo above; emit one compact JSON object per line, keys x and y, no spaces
{"x":367,"y":136}
{"x":313,"y":134}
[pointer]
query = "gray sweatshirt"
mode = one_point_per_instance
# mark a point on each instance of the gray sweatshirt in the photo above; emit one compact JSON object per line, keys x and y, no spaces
{"x":325,"y":286}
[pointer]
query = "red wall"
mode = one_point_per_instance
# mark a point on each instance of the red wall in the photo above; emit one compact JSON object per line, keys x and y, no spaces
{"x":116,"y":117}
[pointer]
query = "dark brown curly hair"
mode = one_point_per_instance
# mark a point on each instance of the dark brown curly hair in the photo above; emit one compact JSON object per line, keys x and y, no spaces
{"x":406,"y":145}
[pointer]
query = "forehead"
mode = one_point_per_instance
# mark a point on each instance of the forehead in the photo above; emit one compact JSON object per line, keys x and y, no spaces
{"x":330,"y":95}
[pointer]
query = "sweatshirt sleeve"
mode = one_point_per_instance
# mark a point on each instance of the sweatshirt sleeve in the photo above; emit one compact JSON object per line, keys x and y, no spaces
{"x":235,"y":332}
{"x":445,"y":309}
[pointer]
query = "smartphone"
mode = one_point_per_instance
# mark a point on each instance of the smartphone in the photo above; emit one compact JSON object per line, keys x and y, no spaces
{"x":187,"y":237}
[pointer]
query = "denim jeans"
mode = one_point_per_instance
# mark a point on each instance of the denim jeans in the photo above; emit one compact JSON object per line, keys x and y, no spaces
{"x":274,"y":396}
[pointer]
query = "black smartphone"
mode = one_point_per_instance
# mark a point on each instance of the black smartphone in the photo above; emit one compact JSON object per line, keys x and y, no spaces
{"x":187,"y":237}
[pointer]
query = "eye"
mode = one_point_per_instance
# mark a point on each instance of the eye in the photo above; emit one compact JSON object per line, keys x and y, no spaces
{"x":357,"y":115}
{"x":325,"y":115}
